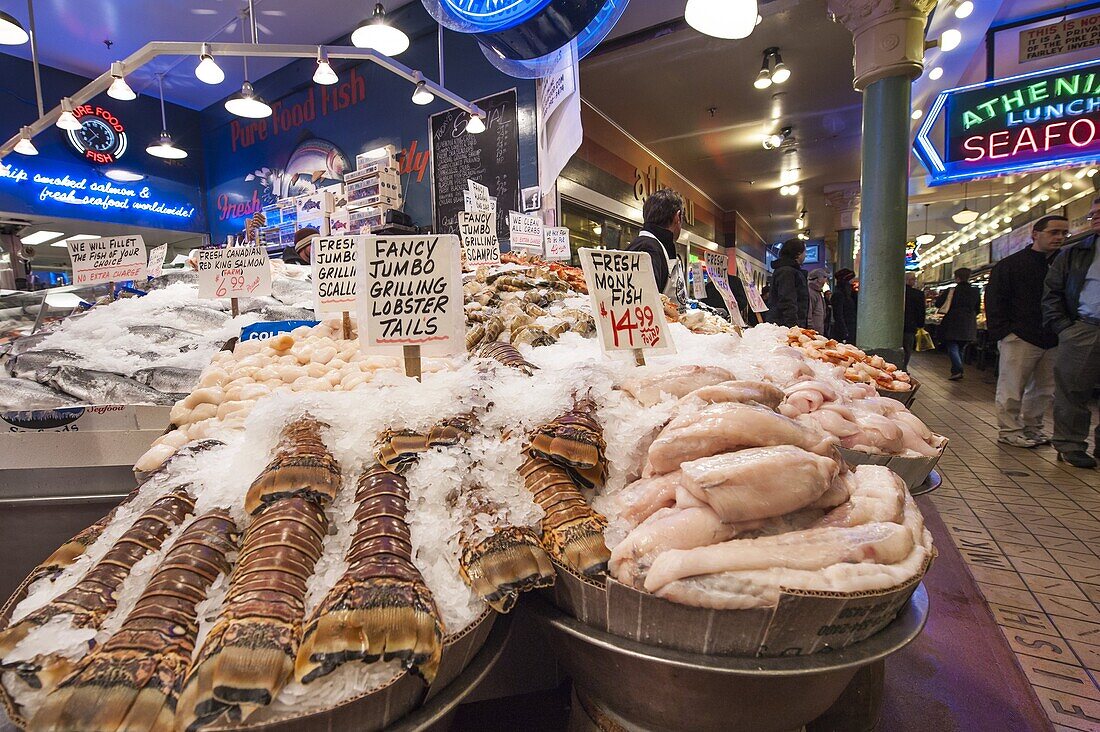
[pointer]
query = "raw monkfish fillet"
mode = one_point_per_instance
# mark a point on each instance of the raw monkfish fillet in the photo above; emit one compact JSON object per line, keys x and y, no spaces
{"x":650,"y":386}
{"x":759,"y":482}
{"x":744,"y":392}
{"x":805,"y":397}
{"x":724,"y":427}
{"x":642,"y":498}
{"x":812,"y":549}
{"x":668,"y":528}
{"x":839,"y":423}
{"x":878,"y":494}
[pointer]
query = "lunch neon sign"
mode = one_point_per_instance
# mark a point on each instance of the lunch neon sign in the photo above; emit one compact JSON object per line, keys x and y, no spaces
{"x":1026,"y":123}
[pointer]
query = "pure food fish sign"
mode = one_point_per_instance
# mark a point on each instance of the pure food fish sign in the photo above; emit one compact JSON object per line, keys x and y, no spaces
{"x":234,"y":272}
{"x":479,"y":237}
{"x":625,"y":302}
{"x":111,"y":259}
{"x":334,"y":267}
{"x":411,"y":293}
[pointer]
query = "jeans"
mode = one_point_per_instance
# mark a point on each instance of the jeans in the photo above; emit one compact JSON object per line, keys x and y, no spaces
{"x":909,"y":344}
{"x":1025,"y":386}
{"x":1076,"y":374}
{"x":954,"y":352}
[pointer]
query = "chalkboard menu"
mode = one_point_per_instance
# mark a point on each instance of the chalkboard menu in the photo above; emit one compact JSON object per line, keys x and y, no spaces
{"x":490,"y":158}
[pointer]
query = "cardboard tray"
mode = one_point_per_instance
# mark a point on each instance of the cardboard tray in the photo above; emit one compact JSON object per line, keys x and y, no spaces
{"x":905,"y":397}
{"x":913,"y":470}
{"x":373,"y":710}
{"x":803,"y":622}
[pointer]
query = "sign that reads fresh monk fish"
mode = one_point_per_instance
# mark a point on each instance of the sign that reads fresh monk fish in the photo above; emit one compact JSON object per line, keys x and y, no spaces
{"x":479,"y":237}
{"x":410,"y":291}
{"x":112,"y":259}
{"x":234,"y":272}
{"x":625,"y":301}
{"x":334,"y":272}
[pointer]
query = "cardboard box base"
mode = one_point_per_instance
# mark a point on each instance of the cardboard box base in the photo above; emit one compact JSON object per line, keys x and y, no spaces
{"x":905,"y":397}
{"x":801,"y":623}
{"x":913,"y":470}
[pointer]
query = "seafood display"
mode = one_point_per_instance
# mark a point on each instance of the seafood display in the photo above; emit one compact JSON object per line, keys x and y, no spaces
{"x":858,"y":366}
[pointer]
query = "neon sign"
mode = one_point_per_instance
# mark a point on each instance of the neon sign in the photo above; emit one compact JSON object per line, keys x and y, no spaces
{"x":1025,"y":123}
{"x":101,"y":138}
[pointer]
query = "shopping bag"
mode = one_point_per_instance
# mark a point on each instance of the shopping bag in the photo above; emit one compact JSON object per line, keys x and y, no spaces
{"x":924,"y":341}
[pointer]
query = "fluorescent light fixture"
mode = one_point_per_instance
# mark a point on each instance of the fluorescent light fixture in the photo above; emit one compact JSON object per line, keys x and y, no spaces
{"x":165,"y":149}
{"x":78,"y":237}
{"x":41,"y":237}
{"x":123,"y":176}
{"x":208,"y":71}
{"x":950,"y":39}
{"x":68,"y":120}
{"x":732,"y":19}
{"x":917,"y":113}
{"x":324,"y":73}
{"x":476,"y":125}
{"x":935,"y":73}
{"x":119,"y":89}
{"x":25,"y":146}
{"x":375,"y":33}
{"x":11,"y":31}
{"x":421,"y":94}
{"x":248,"y":104}
{"x":966,"y":7}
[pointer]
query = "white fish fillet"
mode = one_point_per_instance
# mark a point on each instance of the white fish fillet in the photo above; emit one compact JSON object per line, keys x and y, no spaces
{"x":668,"y":528}
{"x":744,"y":392}
{"x":878,"y":495}
{"x":759,"y":482}
{"x":649,"y":387}
{"x":643,"y":497}
{"x":724,"y":427}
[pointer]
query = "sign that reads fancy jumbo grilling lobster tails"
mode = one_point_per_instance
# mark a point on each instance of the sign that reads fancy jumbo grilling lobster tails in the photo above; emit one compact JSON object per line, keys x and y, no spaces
{"x":1025,"y":123}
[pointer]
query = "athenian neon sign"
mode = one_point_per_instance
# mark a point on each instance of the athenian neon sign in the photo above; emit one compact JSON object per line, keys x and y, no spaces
{"x":1037,"y":121}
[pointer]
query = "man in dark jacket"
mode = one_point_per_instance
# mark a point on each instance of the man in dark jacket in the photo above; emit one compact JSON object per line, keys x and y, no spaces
{"x":960,"y":306}
{"x":844,"y":307}
{"x":662,"y":213}
{"x":914,"y":317}
{"x":1071,"y":308}
{"x":1013,"y":308}
{"x":790,"y":294}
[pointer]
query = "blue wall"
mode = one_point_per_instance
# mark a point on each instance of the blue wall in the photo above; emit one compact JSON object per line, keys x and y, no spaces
{"x":374,"y":110}
{"x":33,"y":185}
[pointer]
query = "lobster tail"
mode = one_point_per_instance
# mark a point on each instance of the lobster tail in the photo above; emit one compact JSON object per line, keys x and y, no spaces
{"x":398,"y":450}
{"x":575,"y":442}
{"x":571,"y":531}
{"x":508,"y":355}
{"x":505,"y":564}
{"x":302,"y":466}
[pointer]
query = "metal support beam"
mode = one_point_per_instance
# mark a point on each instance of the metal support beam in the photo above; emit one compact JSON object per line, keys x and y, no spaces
{"x":151,"y":51}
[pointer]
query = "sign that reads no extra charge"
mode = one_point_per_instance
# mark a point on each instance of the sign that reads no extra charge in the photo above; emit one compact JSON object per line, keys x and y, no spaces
{"x":625,"y":302}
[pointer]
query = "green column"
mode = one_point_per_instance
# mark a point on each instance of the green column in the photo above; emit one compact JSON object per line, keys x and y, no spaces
{"x":845,"y":248}
{"x":885,"y":199}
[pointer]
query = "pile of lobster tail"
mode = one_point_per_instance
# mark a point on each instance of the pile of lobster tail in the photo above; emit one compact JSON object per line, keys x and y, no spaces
{"x":131,"y":682}
{"x":302,"y":466}
{"x":574,"y":441}
{"x":381,"y":607}
{"x":397,"y":450}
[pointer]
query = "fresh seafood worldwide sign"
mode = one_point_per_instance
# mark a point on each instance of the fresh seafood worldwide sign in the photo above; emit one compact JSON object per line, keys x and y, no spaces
{"x":479,"y":237}
{"x":411,"y":294}
{"x":334,"y":272}
{"x":234,"y":272}
{"x":113,"y":259}
{"x":625,"y":302}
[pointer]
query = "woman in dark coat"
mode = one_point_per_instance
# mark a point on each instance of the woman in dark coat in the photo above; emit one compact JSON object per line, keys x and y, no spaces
{"x":844,"y":308}
{"x":960,"y":321}
{"x":789,"y":300}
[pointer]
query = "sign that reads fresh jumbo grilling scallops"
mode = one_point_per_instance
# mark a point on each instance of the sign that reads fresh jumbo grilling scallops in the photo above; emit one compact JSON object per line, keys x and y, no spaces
{"x":112,"y":259}
{"x":234,"y":272}
{"x":334,"y":272}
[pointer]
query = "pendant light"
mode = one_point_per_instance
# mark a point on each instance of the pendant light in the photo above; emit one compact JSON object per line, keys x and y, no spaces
{"x":375,"y":33}
{"x":324,"y":73}
{"x":476,"y":125}
{"x":780,"y":72}
{"x":421,"y":94}
{"x":68,"y":120}
{"x":926,"y":238}
{"x":25,"y":146}
{"x":164,"y":148}
{"x":965,"y":8}
{"x":966,"y":215}
{"x":731,"y":19}
{"x":208,"y":71}
{"x":764,"y":78}
{"x":11,"y":31}
{"x":119,"y":88}
{"x":248,"y":103}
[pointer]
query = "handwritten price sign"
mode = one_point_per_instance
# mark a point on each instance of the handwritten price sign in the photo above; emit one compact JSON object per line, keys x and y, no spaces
{"x":113,"y":259}
{"x":234,"y":272}
{"x":717,"y":267}
{"x":625,"y":301}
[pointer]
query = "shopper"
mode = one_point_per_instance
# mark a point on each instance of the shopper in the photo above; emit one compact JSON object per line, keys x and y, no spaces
{"x":914,"y":317}
{"x":959,"y":306}
{"x":1071,"y":308}
{"x":662,"y":213}
{"x":790,"y":294}
{"x":299,"y":253}
{"x":1013,"y":308}
{"x":817,"y":313}
{"x":844,"y":307}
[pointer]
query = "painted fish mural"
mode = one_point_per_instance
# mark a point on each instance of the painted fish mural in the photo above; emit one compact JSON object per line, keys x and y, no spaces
{"x":313,"y":161}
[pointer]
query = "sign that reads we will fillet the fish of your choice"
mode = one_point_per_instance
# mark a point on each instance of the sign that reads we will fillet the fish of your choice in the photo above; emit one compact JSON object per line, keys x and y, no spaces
{"x":113,"y":259}
{"x":625,"y":302}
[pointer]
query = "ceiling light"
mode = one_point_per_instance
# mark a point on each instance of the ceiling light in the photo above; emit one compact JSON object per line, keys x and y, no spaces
{"x":377,"y":34}
{"x":950,"y":39}
{"x":926,"y":238}
{"x":732,"y":19}
{"x":1090,"y":172}
{"x":764,"y":78}
{"x":1081,"y":173}
{"x":1067,"y":185}
{"x":780,"y":72}
{"x":208,"y":71}
{"x":917,"y":113}
{"x":324,"y":73}
{"x":966,"y":7}
{"x":41,"y":237}
{"x":476,"y":125}
{"x":965,"y":216}
{"x":800,"y":222}
{"x":25,"y":146}
{"x":248,"y":104}
{"x":120,"y":90}
{"x":163,"y":147}
{"x":1025,"y":206}
{"x":11,"y":31}
{"x":1007,"y":219}
{"x":68,"y":120}
{"x":935,"y":73}
{"x":597,"y":230}
{"x":790,"y":190}
{"x":421,"y":94}
{"x":1044,"y":197}
{"x":123,"y":176}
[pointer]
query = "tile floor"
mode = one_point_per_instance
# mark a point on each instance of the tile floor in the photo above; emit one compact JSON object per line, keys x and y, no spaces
{"x":1029,"y":531}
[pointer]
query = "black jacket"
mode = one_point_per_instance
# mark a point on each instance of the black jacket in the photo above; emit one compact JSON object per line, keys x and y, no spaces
{"x":1014,"y":296}
{"x":1062,"y":290}
{"x":660,"y":250}
{"x":844,"y":313}
{"x":961,"y":321}
{"x":914,"y":309}
{"x":789,"y":301}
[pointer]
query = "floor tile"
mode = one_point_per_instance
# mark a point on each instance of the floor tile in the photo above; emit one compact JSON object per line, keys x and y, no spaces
{"x":1030,"y":643}
{"x":1083,"y":574}
{"x":1068,"y":607}
{"x":1088,"y":653}
{"x":1054,"y":586}
{"x":1071,"y":679}
{"x":1039,"y":567}
{"x":1009,"y":597}
{"x":1071,"y":629}
{"x":1075,"y":712}
{"x":1001,"y":577}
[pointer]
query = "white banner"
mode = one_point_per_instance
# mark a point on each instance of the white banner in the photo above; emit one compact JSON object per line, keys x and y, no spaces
{"x":156,"y":261}
{"x":525,"y":232}
{"x":557,"y":243}
{"x":334,"y":273}
{"x":479,"y":237}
